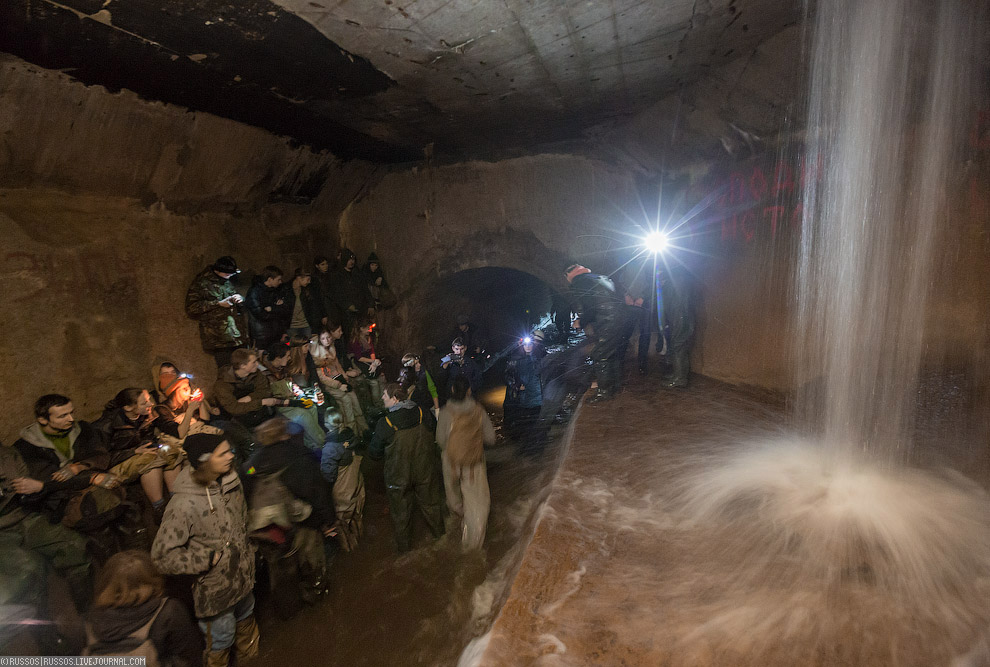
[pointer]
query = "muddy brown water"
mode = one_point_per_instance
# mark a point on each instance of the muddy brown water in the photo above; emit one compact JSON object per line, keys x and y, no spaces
{"x":423,"y":607}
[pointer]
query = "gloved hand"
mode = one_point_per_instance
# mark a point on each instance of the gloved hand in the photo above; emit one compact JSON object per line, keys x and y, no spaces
{"x":300,"y":403}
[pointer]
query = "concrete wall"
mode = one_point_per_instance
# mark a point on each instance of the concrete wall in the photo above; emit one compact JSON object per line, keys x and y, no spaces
{"x":109,"y":205}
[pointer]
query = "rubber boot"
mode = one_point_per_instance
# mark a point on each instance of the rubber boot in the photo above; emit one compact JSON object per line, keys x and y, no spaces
{"x":217,"y":658}
{"x":681,"y":370}
{"x":246,"y":639}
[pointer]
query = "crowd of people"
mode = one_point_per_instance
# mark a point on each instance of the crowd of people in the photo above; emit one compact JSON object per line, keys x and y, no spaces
{"x":264,"y":464}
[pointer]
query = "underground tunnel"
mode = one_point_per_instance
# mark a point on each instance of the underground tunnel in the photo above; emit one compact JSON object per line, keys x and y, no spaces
{"x":762,"y":442}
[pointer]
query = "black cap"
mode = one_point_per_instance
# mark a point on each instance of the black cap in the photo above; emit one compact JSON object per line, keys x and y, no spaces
{"x":226,"y":264}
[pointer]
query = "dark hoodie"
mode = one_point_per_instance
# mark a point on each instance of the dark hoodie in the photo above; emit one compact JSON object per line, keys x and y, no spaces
{"x":350,"y":288}
{"x":175,"y":636}
{"x":302,"y":478}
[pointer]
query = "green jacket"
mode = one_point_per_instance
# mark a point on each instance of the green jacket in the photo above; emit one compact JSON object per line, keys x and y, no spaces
{"x":219,"y":327}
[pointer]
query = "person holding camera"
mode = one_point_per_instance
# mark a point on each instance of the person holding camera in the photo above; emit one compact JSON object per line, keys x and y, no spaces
{"x":215,"y":304}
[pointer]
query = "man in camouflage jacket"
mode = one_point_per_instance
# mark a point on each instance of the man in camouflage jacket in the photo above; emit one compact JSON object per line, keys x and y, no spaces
{"x":213,"y":301}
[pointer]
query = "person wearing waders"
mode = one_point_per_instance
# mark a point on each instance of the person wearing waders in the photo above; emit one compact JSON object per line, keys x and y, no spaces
{"x":463,"y":430}
{"x":603,"y":317}
{"x":678,"y":315}
{"x":411,"y":476}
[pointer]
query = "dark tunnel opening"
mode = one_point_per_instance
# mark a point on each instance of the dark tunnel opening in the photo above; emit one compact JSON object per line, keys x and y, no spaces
{"x":504,"y":304}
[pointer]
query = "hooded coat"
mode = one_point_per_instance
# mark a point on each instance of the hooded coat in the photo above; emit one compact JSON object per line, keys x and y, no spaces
{"x":219,"y":327}
{"x":350,"y":290}
{"x":176,"y":638}
{"x":451,"y":411}
{"x":42,"y":459}
{"x":522,"y":376}
{"x":201,"y":521}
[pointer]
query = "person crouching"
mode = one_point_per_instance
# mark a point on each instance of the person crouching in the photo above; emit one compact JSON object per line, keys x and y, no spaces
{"x":204,"y":533}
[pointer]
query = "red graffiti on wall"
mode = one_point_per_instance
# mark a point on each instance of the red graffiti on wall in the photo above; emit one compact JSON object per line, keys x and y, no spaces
{"x":760,"y":199}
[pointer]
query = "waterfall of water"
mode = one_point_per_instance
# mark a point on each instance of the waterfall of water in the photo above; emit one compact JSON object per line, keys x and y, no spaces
{"x":891,"y":82}
{"x":838,"y":554}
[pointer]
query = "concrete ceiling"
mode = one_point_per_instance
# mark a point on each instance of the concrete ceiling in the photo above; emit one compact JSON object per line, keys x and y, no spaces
{"x":383,"y":79}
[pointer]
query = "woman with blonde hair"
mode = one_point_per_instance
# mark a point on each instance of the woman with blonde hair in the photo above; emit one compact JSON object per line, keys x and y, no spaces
{"x":335,"y":379}
{"x":131,"y":615}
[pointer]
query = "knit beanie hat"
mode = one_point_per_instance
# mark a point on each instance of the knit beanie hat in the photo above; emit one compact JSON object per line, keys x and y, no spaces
{"x":169,"y":379}
{"x":199,"y":447}
{"x":373,"y":258}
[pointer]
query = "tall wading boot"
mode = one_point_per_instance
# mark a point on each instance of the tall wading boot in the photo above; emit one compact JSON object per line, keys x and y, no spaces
{"x":246,"y":639}
{"x":217,"y":658}
{"x":681,"y":370}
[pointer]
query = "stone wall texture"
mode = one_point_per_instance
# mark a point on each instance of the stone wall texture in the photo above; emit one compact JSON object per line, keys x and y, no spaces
{"x":109,"y":205}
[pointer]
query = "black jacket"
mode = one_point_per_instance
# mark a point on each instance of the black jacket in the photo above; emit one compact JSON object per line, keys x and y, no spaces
{"x":322,"y":289}
{"x":175,"y":636}
{"x":122,"y":436}
{"x":267,"y":326}
{"x":600,"y":300}
{"x":42,"y":459}
{"x":302,"y":478}
{"x":468,"y":368}
{"x":350,"y":291}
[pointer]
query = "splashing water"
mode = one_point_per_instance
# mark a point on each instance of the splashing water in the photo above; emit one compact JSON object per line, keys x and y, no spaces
{"x":838,"y":552}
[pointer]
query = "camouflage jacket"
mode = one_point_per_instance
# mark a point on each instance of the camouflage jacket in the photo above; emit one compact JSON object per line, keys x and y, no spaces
{"x":201,"y":521}
{"x":218,"y":326}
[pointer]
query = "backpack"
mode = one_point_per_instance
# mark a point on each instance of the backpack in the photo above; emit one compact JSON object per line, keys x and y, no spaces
{"x":136,"y":644}
{"x":271,"y":503}
{"x":465,"y":443}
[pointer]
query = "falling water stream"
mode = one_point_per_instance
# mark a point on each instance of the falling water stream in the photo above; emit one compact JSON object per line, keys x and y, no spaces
{"x":838,"y":544}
